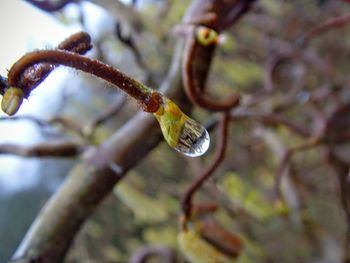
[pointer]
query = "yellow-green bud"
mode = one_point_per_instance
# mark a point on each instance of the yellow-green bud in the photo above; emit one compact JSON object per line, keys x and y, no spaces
{"x":12,"y":100}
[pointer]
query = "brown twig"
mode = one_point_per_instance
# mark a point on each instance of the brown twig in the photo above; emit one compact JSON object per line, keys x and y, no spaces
{"x":191,"y":86}
{"x":187,"y":200}
{"x":308,"y":144}
{"x":130,"y":43}
{"x":149,"y":100}
{"x":33,"y":75}
{"x":46,"y":149}
{"x":330,"y":24}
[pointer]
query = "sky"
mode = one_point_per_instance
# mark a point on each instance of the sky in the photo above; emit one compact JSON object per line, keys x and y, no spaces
{"x":25,"y":28}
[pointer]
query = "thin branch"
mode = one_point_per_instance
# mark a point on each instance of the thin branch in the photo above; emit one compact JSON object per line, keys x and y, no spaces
{"x":271,"y":119}
{"x":130,"y":43}
{"x":148,"y":99}
{"x":103,"y":116}
{"x":33,"y":75}
{"x":46,"y":149}
{"x":330,"y":24}
{"x":187,"y":201}
{"x":310,"y":143}
{"x":191,"y":86}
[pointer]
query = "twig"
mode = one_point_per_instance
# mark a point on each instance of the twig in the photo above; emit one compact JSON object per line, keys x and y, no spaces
{"x":330,"y":24}
{"x":187,"y":201}
{"x":46,"y":149}
{"x":32,"y":76}
{"x":271,"y":119}
{"x":130,"y":43}
{"x":310,"y":143}
{"x":191,"y":86}
{"x":148,"y":99}
{"x":105,"y":115}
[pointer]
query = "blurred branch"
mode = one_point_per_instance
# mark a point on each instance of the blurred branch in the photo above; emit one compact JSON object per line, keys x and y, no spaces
{"x":330,"y":24}
{"x":65,"y":122}
{"x":104,"y":115}
{"x":143,"y":254}
{"x":270,"y":119}
{"x":45,"y":149}
{"x":187,"y":201}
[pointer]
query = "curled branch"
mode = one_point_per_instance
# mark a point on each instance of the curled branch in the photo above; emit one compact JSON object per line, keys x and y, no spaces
{"x":192,"y":88}
{"x":187,"y":201}
{"x":330,"y":24}
{"x":148,"y":99}
{"x":32,"y":76}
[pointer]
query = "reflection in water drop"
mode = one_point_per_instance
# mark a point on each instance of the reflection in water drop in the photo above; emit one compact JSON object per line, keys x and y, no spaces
{"x":180,"y":131}
{"x":194,"y":139}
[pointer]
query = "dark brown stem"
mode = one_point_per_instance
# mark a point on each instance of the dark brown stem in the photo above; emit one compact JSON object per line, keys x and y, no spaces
{"x":32,"y":76}
{"x":192,"y":88}
{"x":149,"y":100}
{"x":187,"y":201}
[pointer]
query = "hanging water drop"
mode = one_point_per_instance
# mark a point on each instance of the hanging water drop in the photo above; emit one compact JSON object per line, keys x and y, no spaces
{"x":180,"y":131}
{"x":194,"y":139}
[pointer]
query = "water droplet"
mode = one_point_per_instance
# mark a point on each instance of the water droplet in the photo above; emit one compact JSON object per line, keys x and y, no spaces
{"x":180,"y":131}
{"x":194,"y":139}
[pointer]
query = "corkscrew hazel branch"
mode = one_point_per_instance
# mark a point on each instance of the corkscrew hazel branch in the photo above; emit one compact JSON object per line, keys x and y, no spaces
{"x":149,"y":100}
{"x":34,"y":75}
{"x":181,"y":132}
{"x":206,"y":37}
{"x":187,"y":201}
